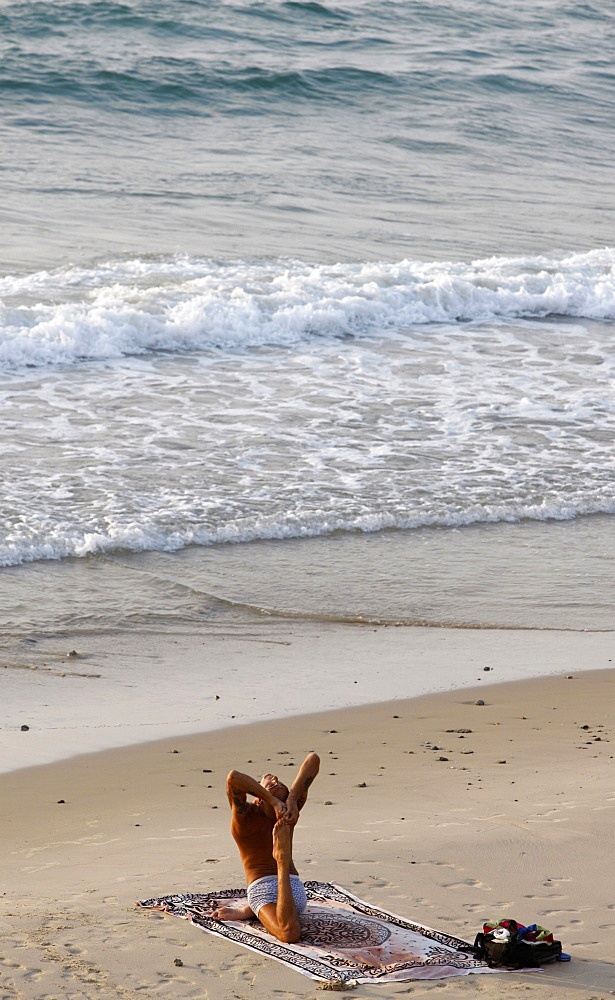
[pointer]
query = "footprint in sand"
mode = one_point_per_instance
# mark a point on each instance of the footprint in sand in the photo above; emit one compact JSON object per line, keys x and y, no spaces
{"x":10,"y":964}
{"x":501,"y":907}
{"x":27,"y":974}
{"x":555,"y":913}
{"x":468,"y":883}
{"x":238,"y":967}
{"x":33,"y":975}
{"x":72,"y":949}
{"x":474,"y":907}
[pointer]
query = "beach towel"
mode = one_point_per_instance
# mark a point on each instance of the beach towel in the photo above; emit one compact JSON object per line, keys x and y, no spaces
{"x":343,"y":939}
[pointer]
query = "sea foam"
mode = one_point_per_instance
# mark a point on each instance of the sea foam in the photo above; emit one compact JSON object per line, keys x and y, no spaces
{"x":184,"y":304}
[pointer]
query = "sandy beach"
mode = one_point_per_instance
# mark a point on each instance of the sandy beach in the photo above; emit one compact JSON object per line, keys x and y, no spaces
{"x":511,"y":817}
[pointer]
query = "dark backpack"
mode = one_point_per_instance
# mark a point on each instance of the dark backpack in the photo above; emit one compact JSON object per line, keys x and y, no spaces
{"x":507,"y":943}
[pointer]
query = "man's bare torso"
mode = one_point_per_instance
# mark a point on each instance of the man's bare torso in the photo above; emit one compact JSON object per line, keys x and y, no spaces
{"x":251,"y":829}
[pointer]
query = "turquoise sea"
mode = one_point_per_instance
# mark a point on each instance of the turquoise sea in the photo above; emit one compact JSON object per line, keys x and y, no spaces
{"x":307,"y":310}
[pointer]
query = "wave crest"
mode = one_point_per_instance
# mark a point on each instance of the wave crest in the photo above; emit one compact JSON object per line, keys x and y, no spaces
{"x":184,"y":304}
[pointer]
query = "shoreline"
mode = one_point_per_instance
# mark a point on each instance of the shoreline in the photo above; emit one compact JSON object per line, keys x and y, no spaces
{"x":128,"y":688}
{"x":472,"y":695}
{"x":435,"y":808}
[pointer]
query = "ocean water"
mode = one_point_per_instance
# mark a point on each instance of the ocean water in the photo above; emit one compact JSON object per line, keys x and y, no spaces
{"x":306,"y":310}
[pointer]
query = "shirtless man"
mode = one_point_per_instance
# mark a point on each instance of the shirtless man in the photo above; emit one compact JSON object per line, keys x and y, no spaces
{"x":263,"y":831}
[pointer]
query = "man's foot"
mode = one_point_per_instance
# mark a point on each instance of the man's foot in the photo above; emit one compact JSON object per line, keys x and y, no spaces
{"x":233,"y":913}
{"x":282,"y":841}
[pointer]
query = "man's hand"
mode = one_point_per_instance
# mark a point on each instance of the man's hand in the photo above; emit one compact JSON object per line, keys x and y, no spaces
{"x":292,"y":810}
{"x":281,"y":809}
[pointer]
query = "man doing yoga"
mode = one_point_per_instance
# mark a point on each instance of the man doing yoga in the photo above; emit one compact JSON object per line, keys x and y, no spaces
{"x":263,"y":831}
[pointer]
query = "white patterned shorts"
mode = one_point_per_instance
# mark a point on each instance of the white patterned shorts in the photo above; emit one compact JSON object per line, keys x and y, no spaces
{"x":265,"y":890}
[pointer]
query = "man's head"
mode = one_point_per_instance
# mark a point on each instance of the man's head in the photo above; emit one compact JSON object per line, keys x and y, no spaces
{"x":275,"y":786}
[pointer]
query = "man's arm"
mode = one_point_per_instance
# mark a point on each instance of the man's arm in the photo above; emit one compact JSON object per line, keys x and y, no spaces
{"x":239,"y":785}
{"x":299,"y":789}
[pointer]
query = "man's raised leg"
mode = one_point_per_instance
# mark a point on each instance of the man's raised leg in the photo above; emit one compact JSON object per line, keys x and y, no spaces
{"x":281,"y":918}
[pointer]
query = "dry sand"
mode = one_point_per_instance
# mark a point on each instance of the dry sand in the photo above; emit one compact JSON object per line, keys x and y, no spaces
{"x":513,"y":817}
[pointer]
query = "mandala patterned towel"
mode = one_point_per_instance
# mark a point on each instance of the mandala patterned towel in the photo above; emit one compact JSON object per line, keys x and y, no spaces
{"x":342,"y":938}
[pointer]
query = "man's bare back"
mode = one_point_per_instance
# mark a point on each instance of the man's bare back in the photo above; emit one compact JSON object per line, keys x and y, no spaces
{"x":263,"y":831}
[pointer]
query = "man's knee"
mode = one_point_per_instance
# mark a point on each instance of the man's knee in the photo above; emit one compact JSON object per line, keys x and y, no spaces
{"x":289,"y":935}
{"x":288,"y":931}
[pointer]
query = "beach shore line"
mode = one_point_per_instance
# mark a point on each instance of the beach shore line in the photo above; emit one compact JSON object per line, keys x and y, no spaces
{"x":438,"y":808}
{"x":66,"y":694}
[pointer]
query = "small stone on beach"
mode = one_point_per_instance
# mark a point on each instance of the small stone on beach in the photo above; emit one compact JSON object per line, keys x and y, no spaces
{"x":25,"y":728}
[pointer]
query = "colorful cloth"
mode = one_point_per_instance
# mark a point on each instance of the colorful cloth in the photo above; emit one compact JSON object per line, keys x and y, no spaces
{"x":343,"y":938}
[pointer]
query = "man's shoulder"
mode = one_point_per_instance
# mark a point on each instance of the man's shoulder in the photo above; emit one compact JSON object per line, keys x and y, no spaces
{"x":246,"y":810}
{"x":251,"y":824}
